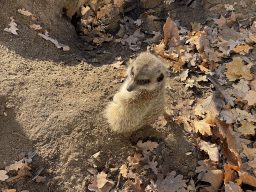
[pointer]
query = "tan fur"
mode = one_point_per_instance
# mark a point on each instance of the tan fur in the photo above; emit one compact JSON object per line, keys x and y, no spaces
{"x":131,"y":110}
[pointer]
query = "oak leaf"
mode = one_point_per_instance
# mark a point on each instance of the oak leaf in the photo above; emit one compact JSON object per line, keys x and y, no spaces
{"x":247,"y":179}
{"x":250,"y":97}
{"x":202,"y":127}
{"x":3,"y":175}
{"x":236,"y":69}
{"x":232,"y":187}
{"x":212,"y":103}
{"x":171,"y":33}
{"x":124,"y":170}
{"x":247,"y":128}
{"x":222,"y":130}
{"x":249,"y":152}
{"x":215,"y":177}
{"x":211,"y":149}
{"x":171,"y":183}
{"x":240,"y":89}
{"x":242,"y":49}
{"x":101,"y":183}
{"x":221,"y":21}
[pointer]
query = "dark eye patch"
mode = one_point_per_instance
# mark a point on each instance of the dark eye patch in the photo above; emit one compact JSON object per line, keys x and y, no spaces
{"x":160,"y":78}
{"x":132,"y":73}
{"x":143,"y":82}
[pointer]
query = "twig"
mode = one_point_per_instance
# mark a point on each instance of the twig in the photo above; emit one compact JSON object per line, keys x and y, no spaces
{"x":220,"y":89}
{"x":38,"y":173}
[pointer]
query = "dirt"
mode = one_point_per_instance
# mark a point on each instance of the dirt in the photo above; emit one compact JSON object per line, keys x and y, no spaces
{"x":55,"y":101}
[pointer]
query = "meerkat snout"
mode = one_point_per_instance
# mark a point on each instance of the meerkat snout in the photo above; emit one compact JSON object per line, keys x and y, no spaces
{"x":140,"y":100}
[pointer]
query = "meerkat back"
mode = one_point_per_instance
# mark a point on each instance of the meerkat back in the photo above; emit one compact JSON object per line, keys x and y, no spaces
{"x":140,"y":100}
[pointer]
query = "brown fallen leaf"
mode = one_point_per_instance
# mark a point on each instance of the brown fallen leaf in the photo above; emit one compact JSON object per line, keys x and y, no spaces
{"x":171,"y":33}
{"x":247,"y":179}
{"x":249,"y":152}
{"x":232,"y":187}
{"x":8,"y":190}
{"x":129,"y":185}
{"x":124,"y":170}
{"x":228,"y":168}
{"x":247,"y":128}
{"x":215,"y":177}
{"x":222,"y":131}
{"x":250,"y":97}
{"x":101,"y":183}
{"x":3,"y":175}
{"x":212,"y":103}
{"x":172,"y":181}
{"x":236,"y":70}
{"x":221,"y":21}
{"x":202,"y":127}
{"x":216,"y":7}
{"x":24,"y":12}
{"x":134,"y":161}
{"x":147,"y":146}
{"x":242,"y":49}
{"x":211,"y":149}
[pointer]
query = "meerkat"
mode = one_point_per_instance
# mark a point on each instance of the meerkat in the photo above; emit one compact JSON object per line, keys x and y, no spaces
{"x":140,"y":100}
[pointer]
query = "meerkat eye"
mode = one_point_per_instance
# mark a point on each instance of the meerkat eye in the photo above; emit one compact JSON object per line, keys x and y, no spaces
{"x":160,"y":78}
{"x":143,"y":82}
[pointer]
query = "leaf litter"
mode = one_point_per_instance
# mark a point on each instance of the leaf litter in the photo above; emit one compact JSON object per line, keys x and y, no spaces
{"x":217,"y":122}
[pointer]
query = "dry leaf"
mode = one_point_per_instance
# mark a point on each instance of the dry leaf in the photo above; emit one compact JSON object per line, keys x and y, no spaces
{"x":152,"y":165}
{"x":24,"y":12}
{"x":152,"y":187}
{"x":171,"y":183}
{"x":202,"y":127}
{"x":36,"y":27}
{"x":232,"y":187}
{"x":252,"y":163}
{"x":221,"y":21}
{"x":102,"y":38}
{"x":215,"y":177}
{"x":212,"y":103}
{"x":247,"y":179}
{"x":253,"y":84}
{"x":171,"y":33}
{"x":54,"y":41}
{"x":3,"y":175}
{"x":229,"y":7}
{"x":211,"y":149}
{"x":247,"y":128}
{"x":240,"y":89}
{"x":124,"y":170}
{"x":249,"y":152}
{"x":227,"y":46}
{"x":195,"y":26}
{"x":222,"y":130}
{"x":133,"y":186}
{"x":17,"y":165}
{"x":236,"y":69}
{"x":242,"y":49}
{"x":8,"y":190}
{"x":134,"y":161}
{"x":216,"y":7}
{"x":13,"y":27}
{"x":101,"y":183}
{"x":227,"y":168}
{"x":147,"y":146}
{"x":250,"y":97}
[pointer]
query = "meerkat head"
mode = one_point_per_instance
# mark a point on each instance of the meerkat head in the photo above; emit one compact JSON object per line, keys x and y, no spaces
{"x":145,"y":72}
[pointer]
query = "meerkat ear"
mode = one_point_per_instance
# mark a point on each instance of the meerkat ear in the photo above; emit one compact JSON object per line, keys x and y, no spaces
{"x":160,"y":78}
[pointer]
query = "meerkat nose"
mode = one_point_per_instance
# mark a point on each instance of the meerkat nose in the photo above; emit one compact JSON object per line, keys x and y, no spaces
{"x":129,"y":89}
